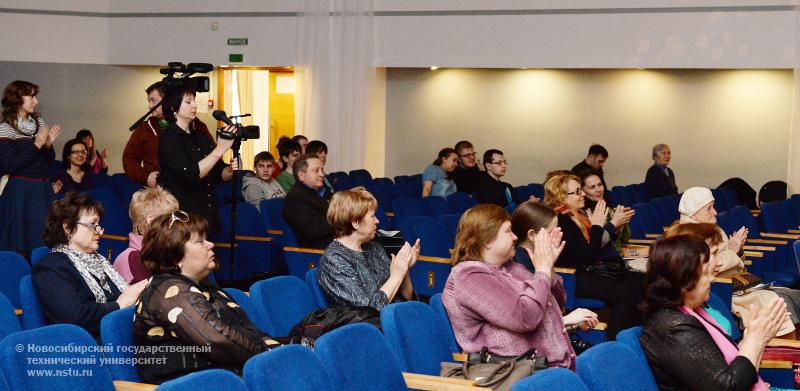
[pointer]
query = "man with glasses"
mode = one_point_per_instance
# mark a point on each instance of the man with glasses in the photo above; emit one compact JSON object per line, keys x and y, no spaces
{"x":468,"y":173}
{"x":289,"y":151}
{"x":491,"y":190}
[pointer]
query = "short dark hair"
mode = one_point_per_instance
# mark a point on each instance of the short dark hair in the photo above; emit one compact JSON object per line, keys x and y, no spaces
{"x":585,"y":174}
{"x":315,"y":147}
{"x":597,"y":149}
{"x":299,"y":137}
{"x":172,"y":101}
{"x":301,"y":164}
{"x":262,"y":156}
{"x":281,"y":140}
{"x":288,"y":147}
{"x":67,"y":211}
{"x":67,"y":150}
{"x":83,"y":133}
{"x":157,"y":86}
{"x":487,"y":156}
{"x":674,"y":267}
{"x":462,"y":145}
{"x":443,"y":154}
{"x":163,"y":245}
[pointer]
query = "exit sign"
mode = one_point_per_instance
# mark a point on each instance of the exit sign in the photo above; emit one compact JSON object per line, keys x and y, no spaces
{"x":237,"y":41}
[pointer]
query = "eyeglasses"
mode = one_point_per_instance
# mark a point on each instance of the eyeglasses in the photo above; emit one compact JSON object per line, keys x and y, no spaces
{"x":80,"y":152}
{"x":469,"y":154}
{"x":94,"y":227}
{"x":178,"y":215}
{"x":500,"y":163}
{"x":577,"y":192}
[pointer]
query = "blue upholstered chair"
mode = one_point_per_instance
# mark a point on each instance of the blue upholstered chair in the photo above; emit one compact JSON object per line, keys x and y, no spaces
{"x":116,"y":331}
{"x":551,"y":379}
{"x":614,"y":366}
{"x":32,"y":316}
{"x":287,"y":368}
{"x":280,"y":303}
{"x":208,"y":380}
{"x":416,"y":336}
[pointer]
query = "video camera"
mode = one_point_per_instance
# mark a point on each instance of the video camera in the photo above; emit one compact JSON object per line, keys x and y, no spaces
{"x":198,"y":83}
{"x":251,"y":132}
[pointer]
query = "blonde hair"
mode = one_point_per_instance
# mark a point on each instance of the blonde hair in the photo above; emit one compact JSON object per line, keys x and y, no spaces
{"x":479,"y":225}
{"x":347,"y":207}
{"x":150,"y":202}
{"x":555,"y":190}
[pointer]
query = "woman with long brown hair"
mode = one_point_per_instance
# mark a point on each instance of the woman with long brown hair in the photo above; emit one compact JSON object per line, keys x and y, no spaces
{"x":26,"y":151}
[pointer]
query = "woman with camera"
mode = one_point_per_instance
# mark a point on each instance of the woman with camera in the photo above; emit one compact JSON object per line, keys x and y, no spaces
{"x":190,"y":159}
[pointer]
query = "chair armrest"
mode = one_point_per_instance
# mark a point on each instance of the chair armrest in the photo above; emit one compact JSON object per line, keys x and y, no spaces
{"x":723,"y":280}
{"x":641,"y":241}
{"x":780,"y":235}
{"x":460,"y":357}
{"x":755,"y":212}
{"x":652,"y":236}
{"x":793,"y":231}
{"x":122,"y":385}
{"x":274,"y":232}
{"x":754,"y":254}
{"x":564,"y":270}
{"x":768,"y":241}
{"x":438,"y":383}
{"x":253,"y":238}
{"x":17,"y":311}
{"x":426,"y":258}
{"x":783,"y":343}
{"x":759,"y":248}
{"x":304,"y":250}
{"x":775,"y":364}
{"x":225,"y":245}
{"x":114,"y":237}
{"x":389,"y":214}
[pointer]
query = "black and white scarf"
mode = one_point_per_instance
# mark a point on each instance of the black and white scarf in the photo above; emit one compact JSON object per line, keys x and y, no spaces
{"x":93,"y":268}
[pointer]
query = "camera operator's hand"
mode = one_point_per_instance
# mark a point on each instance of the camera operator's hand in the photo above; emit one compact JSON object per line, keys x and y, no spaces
{"x":224,"y":145}
{"x":152,"y":179}
{"x":234,"y":164}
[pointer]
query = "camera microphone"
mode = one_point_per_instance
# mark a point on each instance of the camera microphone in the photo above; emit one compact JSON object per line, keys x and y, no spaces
{"x":199,"y":67}
{"x":220,"y":115}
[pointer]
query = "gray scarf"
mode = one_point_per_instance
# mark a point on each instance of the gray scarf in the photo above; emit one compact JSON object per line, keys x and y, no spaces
{"x":93,"y":268}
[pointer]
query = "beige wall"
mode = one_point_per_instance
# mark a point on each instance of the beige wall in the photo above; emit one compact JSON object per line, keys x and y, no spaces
{"x":720,"y":123}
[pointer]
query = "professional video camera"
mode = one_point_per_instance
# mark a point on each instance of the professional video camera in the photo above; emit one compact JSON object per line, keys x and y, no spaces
{"x":198,"y":83}
{"x":251,"y":132}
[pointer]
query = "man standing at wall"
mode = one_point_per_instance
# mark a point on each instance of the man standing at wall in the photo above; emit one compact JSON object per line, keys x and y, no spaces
{"x":595,"y":160}
{"x":140,"y":158}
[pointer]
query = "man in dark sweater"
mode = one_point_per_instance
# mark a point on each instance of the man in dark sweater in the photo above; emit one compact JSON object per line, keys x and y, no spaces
{"x":491,"y":190}
{"x":595,"y":160}
{"x":306,"y":205}
{"x":468,"y":173}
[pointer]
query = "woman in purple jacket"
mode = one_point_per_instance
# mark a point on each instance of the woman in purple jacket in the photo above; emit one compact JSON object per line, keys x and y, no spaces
{"x":496,"y":303}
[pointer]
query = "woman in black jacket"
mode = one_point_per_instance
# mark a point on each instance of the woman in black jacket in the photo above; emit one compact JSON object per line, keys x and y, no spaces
{"x":590,"y":240}
{"x":685,"y":347}
{"x":189,"y":323}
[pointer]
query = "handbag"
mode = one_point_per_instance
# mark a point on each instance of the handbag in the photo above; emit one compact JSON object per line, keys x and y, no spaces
{"x":496,"y":372}
{"x":744,"y":281}
{"x":612,"y":269}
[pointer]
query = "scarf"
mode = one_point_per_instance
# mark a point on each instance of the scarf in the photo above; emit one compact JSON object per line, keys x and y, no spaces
{"x":728,"y":349}
{"x":94,"y":269}
{"x":585,"y":225}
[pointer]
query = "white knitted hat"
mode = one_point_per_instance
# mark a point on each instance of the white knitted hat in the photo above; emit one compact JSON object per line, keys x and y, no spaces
{"x":693,"y":200}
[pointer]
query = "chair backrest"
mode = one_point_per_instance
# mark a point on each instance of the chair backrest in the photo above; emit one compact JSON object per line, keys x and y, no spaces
{"x":116,"y":332}
{"x":771,"y":216}
{"x":449,"y":225}
{"x":720,"y":202}
{"x":551,"y":379}
{"x":38,"y":253}
{"x":522,"y":192}
{"x":210,"y":379}
{"x":438,"y":308}
{"x":382,"y":181}
{"x":630,"y":338}
{"x":14,"y":268}
{"x":101,"y":194}
{"x":313,"y":284}
{"x":614,"y":366}
{"x":402,"y":179}
{"x":83,"y":359}
{"x":116,"y":220}
{"x":646,"y":213}
{"x":280,"y":303}
{"x":772,"y":191}
{"x":416,"y":336}
{"x":745,"y":193}
{"x":361,"y":176}
{"x":434,"y":206}
{"x":274,"y":207}
{"x":241,"y":298}
{"x":640,"y":192}
{"x":617,"y":197}
{"x":406,"y":207}
{"x":32,"y":316}
{"x":537,"y":190}
{"x":382,"y":194}
{"x":744,"y":216}
{"x":429,"y":233}
{"x":287,"y":368}
{"x":301,"y":260}
{"x":665,"y":207}
{"x":459,"y":202}
{"x":363,"y":365}
{"x":8,"y":318}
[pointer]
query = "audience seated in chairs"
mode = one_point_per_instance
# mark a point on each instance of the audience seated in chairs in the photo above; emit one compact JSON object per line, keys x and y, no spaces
{"x":306,"y":204}
{"x":660,"y":180}
{"x":356,"y":271}
{"x":146,"y":205}
{"x":595,"y":190}
{"x":76,"y":174}
{"x":496,"y":303}
{"x":589,"y":246}
{"x":96,"y":161}
{"x":74,"y":283}
{"x":491,"y":190}
{"x":436,"y":179}
{"x":697,"y":208}
{"x":261,"y":185}
{"x":469,"y":170}
{"x":288,"y":152}
{"x":181,"y":309}
{"x":685,"y":347}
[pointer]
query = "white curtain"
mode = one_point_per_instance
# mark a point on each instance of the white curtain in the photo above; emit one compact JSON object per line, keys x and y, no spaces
{"x":793,"y":172}
{"x":335,"y":74}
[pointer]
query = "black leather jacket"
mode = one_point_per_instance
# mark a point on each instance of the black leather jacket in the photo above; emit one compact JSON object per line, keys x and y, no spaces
{"x":683,"y":356}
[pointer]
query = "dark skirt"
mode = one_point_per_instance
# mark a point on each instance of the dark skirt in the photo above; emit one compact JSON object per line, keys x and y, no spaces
{"x":23,"y":207}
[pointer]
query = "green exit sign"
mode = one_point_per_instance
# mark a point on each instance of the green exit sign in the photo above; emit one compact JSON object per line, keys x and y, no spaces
{"x":237,"y":41}
{"x":236,"y":58}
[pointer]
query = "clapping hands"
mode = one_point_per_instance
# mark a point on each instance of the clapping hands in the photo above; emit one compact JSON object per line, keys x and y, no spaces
{"x":598,"y":215}
{"x":737,"y":239}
